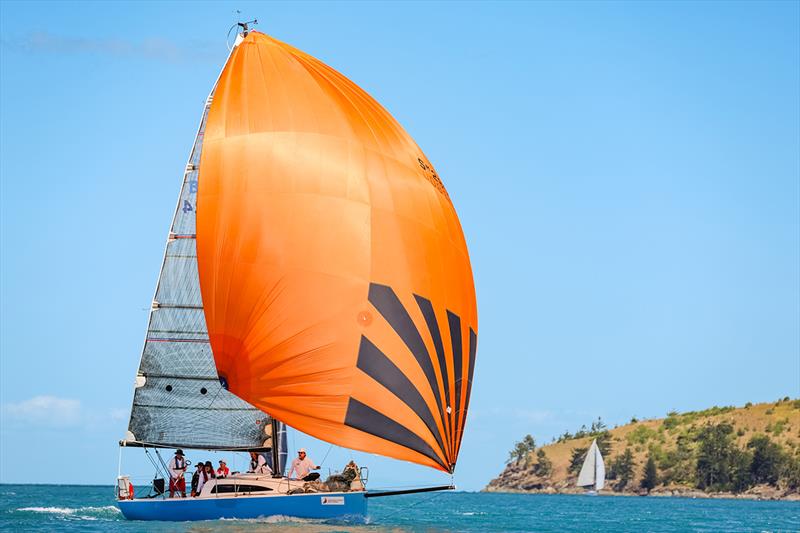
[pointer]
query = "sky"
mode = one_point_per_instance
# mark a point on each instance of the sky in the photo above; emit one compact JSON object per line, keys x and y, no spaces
{"x":627,"y":177}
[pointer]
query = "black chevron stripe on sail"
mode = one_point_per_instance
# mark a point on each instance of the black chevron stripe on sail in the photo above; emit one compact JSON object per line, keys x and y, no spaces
{"x":373,"y":362}
{"x":473,"y":347}
{"x":391,"y":308}
{"x":433,"y":327}
{"x":364,"y":418}
{"x":454,"y":322}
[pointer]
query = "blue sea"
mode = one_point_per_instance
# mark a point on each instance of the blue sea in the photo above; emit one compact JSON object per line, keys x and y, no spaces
{"x":91,"y":508}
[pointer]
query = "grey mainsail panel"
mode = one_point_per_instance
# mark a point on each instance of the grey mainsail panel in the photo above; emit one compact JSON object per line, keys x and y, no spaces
{"x":178,"y":400}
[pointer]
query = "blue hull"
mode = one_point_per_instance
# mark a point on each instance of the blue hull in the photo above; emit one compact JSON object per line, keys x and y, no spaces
{"x":341,"y":505}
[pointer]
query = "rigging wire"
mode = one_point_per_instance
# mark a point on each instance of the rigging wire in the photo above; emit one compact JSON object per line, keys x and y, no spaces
{"x":158,"y":471}
{"x":326,"y":455}
{"x":166,"y":468}
{"x":406,"y":507}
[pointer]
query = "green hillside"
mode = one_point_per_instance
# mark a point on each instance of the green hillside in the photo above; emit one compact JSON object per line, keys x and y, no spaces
{"x":751,"y":451}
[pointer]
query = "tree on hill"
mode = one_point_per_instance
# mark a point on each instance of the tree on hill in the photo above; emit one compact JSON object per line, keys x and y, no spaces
{"x":741,"y":477}
{"x":792,"y":472}
{"x":650,"y":479}
{"x":604,"y":442}
{"x":598,"y":426}
{"x":621,"y":469}
{"x":576,"y":460}
{"x":768,"y":460}
{"x":521,"y":449}
{"x":544,"y":466}
{"x":679,"y":465}
{"x":715,"y":454}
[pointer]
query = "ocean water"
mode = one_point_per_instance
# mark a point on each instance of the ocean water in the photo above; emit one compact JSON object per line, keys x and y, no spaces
{"x":91,"y":508}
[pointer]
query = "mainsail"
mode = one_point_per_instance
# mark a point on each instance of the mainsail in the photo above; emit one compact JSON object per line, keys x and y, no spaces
{"x":178,"y":400}
{"x":335,"y":277}
{"x":593,"y":471}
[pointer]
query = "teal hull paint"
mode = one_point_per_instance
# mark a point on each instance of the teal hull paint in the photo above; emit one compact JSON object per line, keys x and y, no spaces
{"x":341,"y":505}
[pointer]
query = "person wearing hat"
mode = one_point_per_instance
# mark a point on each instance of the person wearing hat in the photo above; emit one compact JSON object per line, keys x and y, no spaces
{"x":302,"y":465}
{"x":206,"y":475}
{"x":177,"y":468}
{"x":223,"y":470}
{"x":196,"y":478}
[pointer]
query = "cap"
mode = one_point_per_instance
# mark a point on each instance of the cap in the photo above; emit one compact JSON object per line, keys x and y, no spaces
{"x":221,"y":461}
{"x":301,"y":450}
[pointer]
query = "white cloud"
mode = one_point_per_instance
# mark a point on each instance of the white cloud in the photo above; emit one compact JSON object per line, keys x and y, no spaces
{"x":52,"y":411}
{"x":45,"y":410}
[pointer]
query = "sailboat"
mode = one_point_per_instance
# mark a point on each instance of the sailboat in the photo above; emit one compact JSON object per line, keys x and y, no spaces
{"x":593,"y":471}
{"x":316,"y":277}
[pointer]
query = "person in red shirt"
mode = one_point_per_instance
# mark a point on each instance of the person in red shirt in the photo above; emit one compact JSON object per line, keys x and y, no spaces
{"x":223,"y":470}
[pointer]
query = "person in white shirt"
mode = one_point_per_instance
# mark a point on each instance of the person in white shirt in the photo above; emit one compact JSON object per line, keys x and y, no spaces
{"x":177,"y":468}
{"x":302,"y":465}
{"x":206,"y":475}
{"x":196,"y":478}
{"x":258,"y":464}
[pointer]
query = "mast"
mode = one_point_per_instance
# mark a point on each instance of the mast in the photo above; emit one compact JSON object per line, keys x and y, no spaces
{"x":276,"y":452}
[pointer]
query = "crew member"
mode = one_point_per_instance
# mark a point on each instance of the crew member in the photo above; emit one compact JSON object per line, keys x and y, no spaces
{"x":196,"y":478}
{"x":258,"y":464}
{"x":223,"y":470}
{"x":206,"y":475}
{"x":302,"y":465}
{"x":177,"y":468}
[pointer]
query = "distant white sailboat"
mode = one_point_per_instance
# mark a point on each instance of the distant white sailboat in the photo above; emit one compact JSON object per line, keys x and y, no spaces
{"x":593,"y":471}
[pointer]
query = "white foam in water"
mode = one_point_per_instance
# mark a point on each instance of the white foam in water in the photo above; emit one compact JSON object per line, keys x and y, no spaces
{"x":275,"y":519}
{"x":55,"y":510}
{"x":69,"y":511}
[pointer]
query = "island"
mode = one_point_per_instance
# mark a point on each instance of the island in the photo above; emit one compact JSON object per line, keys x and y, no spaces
{"x":751,"y":451}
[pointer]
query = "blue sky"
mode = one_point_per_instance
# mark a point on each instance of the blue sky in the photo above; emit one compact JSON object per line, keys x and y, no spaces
{"x":627,"y":176}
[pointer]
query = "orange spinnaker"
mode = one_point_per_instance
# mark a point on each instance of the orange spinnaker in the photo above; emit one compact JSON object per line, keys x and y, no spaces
{"x":335,"y":277}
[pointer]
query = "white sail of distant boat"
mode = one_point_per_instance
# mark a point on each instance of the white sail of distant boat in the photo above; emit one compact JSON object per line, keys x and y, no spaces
{"x":593,"y":471}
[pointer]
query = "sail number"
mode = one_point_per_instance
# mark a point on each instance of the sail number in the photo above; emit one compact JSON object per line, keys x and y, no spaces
{"x":187,"y":205}
{"x":432,"y":176}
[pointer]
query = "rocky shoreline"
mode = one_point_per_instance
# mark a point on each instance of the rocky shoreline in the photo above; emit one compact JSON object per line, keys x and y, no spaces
{"x":517,"y":478}
{"x":760,"y":492}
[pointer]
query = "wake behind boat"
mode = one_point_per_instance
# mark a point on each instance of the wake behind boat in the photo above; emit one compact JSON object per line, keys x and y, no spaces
{"x":315,"y":270}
